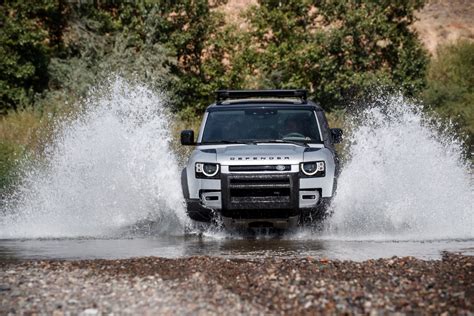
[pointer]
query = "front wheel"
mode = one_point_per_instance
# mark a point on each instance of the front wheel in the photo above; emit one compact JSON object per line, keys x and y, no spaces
{"x":317,"y":214}
{"x":197,"y":212}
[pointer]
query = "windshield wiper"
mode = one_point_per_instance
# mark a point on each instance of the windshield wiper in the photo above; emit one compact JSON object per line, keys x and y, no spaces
{"x":283,"y":141}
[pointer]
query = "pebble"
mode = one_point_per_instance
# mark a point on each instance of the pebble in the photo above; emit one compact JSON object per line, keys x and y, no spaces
{"x":213,"y":285}
{"x":90,"y":312}
{"x":4,"y":287}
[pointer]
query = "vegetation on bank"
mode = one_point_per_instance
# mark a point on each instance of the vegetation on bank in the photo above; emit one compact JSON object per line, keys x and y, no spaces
{"x":52,"y":51}
{"x":450,"y":86}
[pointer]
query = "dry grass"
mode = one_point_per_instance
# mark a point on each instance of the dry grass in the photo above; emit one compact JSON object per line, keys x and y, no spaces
{"x":178,"y":124}
{"x":445,"y":21}
{"x":25,"y":128}
{"x":32,"y":128}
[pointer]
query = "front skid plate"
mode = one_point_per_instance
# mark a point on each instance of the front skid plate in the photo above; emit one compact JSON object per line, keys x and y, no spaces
{"x":277,"y":223}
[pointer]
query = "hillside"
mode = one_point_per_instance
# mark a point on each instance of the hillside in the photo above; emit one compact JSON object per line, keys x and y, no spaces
{"x":440,"y":21}
{"x":444,"y":21}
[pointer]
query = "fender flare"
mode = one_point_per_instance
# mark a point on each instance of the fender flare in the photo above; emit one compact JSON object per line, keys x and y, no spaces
{"x":184,"y":184}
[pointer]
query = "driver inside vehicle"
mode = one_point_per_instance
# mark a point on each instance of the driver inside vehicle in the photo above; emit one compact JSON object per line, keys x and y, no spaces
{"x":294,"y":127}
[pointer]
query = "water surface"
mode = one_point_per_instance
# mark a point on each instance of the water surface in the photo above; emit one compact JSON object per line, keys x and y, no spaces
{"x":404,"y":189}
{"x":176,"y":247}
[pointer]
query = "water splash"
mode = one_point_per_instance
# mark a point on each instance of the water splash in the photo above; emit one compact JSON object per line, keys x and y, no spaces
{"x":404,"y":178}
{"x":110,"y":168}
{"x":112,"y":171}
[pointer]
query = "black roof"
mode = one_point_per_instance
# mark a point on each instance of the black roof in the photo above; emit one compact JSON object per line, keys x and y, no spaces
{"x":238,"y":99}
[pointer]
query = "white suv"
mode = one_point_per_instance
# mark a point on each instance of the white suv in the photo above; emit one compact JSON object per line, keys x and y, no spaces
{"x":263,"y":158}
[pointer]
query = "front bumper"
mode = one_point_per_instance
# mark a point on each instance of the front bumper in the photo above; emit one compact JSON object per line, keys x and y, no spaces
{"x":259,"y":191}
{"x":260,"y":195}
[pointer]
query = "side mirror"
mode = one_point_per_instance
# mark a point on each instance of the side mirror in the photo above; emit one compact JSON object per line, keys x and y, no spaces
{"x":187,"y":138}
{"x":336,"y":134}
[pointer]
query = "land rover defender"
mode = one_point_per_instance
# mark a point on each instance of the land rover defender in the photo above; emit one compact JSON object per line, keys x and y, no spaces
{"x":263,"y":158}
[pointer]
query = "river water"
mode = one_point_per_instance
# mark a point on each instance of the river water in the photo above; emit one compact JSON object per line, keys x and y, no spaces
{"x":175,"y":247}
{"x":404,"y":190}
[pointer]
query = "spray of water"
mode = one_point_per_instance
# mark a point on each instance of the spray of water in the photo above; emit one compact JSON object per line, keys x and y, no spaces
{"x":110,"y":168}
{"x":404,"y":178}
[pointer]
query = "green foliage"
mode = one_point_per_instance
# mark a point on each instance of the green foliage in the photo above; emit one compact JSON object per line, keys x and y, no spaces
{"x":28,"y":35}
{"x":337,"y":49}
{"x":9,"y":154}
{"x":52,"y":52}
{"x":174,"y":46}
{"x":107,"y":46}
{"x":200,"y":41}
{"x":450,"y":88}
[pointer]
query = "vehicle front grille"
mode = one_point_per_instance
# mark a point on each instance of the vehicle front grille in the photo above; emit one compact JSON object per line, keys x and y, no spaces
{"x":259,"y":191}
{"x":260,"y":195}
{"x":256,"y":182}
{"x":259,"y":168}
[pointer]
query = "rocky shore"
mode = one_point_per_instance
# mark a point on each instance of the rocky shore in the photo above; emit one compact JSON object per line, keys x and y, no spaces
{"x":212,"y":285}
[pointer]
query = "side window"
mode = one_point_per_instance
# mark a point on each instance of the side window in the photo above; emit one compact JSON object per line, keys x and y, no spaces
{"x":324,"y":127}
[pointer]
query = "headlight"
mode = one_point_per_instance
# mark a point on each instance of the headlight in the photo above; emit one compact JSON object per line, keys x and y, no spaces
{"x":207,"y":170}
{"x":314,"y":168}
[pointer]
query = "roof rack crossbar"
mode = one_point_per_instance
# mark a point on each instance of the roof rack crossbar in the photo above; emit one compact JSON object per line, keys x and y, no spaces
{"x":222,"y":95}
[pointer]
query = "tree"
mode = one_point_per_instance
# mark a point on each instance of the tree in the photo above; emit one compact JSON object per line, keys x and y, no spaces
{"x":337,"y":49}
{"x":450,"y":88}
{"x":196,"y":33}
{"x":178,"y":44}
{"x":28,"y":34}
{"x":106,"y":40}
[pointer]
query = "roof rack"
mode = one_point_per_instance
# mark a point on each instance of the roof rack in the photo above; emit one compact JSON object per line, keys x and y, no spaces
{"x":222,"y":95}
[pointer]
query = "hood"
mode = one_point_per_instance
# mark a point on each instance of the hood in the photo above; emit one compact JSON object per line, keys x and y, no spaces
{"x":260,"y":154}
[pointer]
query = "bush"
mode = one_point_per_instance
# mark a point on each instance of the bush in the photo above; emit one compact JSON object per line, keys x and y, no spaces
{"x":337,"y":49}
{"x":99,"y":56}
{"x":450,"y":88}
{"x":29,"y":33}
{"x":9,"y":155}
{"x":173,"y":46}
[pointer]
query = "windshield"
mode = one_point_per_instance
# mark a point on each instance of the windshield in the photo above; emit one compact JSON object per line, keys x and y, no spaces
{"x":261,"y":125}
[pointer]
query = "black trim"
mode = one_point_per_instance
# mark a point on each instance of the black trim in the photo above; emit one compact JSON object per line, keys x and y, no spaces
{"x":260,"y":214}
{"x":184,"y":184}
{"x":209,"y":151}
{"x":259,"y":168}
{"x":187,"y":138}
{"x":203,"y":176}
{"x":271,"y":194}
{"x":246,"y":106}
{"x":318,"y":213}
{"x":222,"y":95}
{"x":319,"y":174}
{"x":197,"y":212}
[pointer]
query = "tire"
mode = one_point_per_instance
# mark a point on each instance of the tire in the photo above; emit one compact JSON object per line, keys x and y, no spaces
{"x":317,"y":214}
{"x":197,"y":212}
{"x":194,"y":209}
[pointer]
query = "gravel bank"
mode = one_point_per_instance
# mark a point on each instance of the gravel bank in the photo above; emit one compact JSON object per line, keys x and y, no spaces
{"x":210,"y":285}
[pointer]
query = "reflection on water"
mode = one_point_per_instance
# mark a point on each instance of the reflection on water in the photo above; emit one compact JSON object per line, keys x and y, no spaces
{"x":70,"y":249}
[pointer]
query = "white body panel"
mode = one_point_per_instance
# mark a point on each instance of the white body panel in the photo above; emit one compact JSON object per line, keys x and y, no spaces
{"x":260,"y":154}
